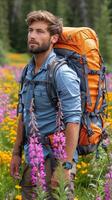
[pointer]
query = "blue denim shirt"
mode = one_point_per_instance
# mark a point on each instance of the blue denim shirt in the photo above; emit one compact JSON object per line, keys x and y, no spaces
{"x":68,"y":87}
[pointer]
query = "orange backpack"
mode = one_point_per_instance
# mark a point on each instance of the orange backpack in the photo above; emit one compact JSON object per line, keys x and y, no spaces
{"x":80,"y":48}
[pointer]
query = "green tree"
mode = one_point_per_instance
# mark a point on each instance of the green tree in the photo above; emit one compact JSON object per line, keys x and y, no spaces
{"x":3,"y":59}
{"x":4,"y":24}
{"x":103,"y":28}
{"x":4,"y":30}
{"x":17,"y":28}
{"x":63,"y":11}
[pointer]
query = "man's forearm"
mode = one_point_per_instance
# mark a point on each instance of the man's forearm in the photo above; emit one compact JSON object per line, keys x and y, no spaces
{"x":72,"y":134}
{"x":17,"y":150}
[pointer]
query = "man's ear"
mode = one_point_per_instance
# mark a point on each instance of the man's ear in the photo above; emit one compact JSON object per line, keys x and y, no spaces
{"x":54,"y":38}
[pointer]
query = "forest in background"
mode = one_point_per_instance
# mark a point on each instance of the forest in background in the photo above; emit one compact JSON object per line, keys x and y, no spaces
{"x":96,"y":14}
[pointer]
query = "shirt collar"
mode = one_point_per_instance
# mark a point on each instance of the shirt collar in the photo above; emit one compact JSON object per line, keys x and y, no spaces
{"x":31,"y":65}
{"x":49,"y":59}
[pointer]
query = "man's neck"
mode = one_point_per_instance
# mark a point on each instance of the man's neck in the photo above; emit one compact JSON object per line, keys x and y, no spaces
{"x":40,"y":59}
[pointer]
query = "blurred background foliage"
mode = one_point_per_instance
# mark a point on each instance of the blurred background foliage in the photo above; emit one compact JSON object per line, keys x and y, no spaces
{"x":96,"y":14}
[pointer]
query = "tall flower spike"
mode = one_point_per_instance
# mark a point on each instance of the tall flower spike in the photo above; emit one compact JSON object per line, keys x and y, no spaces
{"x":108,"y":186}
{"x":36,"y":157}
{"x":59,"y":141}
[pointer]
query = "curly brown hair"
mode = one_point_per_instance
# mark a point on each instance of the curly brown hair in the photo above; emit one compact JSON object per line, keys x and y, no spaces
{"x":55,"y":24}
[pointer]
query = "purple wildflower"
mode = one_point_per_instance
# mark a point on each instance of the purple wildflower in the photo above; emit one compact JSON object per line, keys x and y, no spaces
{"x":108,"y":186}
{"x":109,"y":82}
{"x":36,"y":156}
{"x":13,"y":113}
{"x":59,"y":145}
{"x":4,"y":102}
{"x":16,"y":72}
{"x":98,"y":198}
{"x":59,"y":140}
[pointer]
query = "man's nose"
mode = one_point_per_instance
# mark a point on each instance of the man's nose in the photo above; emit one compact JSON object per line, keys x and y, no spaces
{"x":33,"y":35}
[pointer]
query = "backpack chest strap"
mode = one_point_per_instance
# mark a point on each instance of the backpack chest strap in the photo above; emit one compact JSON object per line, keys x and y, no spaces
{"x":35,"y":82}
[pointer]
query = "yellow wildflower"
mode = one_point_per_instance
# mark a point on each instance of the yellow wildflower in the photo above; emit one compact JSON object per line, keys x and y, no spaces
{"x":84,"y":171}
{"x":18,"y":187}
{"x":78,"y":166}
{"x":84,"y":164}
{"x":18,"y":197}
{"x":5,"y":157}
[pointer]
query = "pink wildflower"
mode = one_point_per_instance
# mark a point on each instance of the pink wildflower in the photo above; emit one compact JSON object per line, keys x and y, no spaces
{"x":98,"y":198}
{"x":59,"y":140}
{"x":36,"y":152}
{"x":59,"y":145}
{"x":108,"y":186}
{"x":4,"y":102}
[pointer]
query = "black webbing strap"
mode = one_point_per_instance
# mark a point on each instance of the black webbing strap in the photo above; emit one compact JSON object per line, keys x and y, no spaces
{"x":86,"y":80}
{"x":101,"y":92}
{"x":51,"y":88}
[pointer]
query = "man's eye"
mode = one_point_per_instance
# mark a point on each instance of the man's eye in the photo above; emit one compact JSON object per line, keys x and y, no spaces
{"x":29,"y":30}
{"x":40,"y":31}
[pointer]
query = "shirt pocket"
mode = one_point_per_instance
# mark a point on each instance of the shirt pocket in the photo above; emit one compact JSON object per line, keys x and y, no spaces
{"x":42,"y":101}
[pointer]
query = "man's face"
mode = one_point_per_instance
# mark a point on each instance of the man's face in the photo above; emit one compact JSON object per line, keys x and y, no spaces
{"x":39,"y":39}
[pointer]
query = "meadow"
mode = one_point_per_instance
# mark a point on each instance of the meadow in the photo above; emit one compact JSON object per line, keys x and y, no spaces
{"x":94,"y":172}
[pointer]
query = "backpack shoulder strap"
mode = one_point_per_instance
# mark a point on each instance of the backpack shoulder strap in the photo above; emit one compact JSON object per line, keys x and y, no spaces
{"x":51,"y":73}
{"x":19,"y":105}
{"x":24,"y":72}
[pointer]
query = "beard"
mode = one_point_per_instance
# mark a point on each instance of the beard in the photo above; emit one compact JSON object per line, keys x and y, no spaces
{"x":40,"y":49}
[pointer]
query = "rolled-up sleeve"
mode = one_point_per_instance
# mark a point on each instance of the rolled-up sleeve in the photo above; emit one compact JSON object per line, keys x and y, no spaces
{"x":68,"y":87}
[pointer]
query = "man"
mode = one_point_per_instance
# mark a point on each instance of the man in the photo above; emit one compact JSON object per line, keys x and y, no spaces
{"x":44,"y":30}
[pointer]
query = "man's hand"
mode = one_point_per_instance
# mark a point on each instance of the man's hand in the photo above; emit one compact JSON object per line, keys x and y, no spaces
{"x":17,"y":150}
{"x":14,"y":166}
